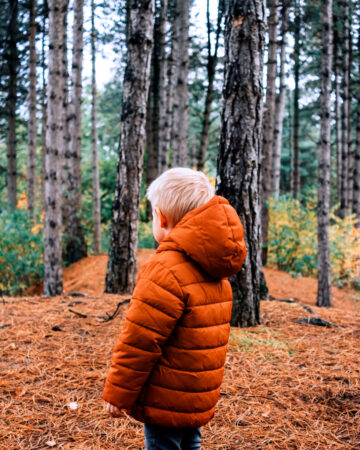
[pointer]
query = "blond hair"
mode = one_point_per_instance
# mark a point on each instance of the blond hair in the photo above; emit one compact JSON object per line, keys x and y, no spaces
{"x":178,"y":191}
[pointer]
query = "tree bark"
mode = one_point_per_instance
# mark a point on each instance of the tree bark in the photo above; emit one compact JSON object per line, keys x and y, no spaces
{"x":280,"y":102}
{"x":151,"y":169}
{"x":95,"y":164}
{"x":296,"y":168}
{"x":75,"y":245}
{"x":164,"y":130}
{"x":351,"y":154}
{"x":211,"y":70}
{"x":268,"y":125}
{"x":66,"y":136}
{"x":181,"y":95}
{"x":43,"y":113}
{"x":356,"y":192}
{"x":32,"y":129}
{"x":13,"y":64}
{"x":54,"y":139}
{"x":344,"y":114}
{"x":323,"y":206}
{"x":337,"y":64}
{"x":121,"y":269}
{"x":240,"y":141}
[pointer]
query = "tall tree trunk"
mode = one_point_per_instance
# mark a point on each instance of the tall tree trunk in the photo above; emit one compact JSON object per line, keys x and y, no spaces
{"x":153,"y":108}
{"x":54,"y":139}
{"x":32,"y":129}
{"x":211,"y":70}
{"x":268,"y":125}
{"x":43,"y":113}
{"x":296,"y":168}
{"x":337,"y":64}
{"x":240,"y":144}
{"x":323,"y":206}
{"x":356,"y":191}
{"x":181,"y":97}
{"x":344,"y":114}
{"x":121,"y":269}
{"x":351,"y":154}
{"x":151,"y":169}
{"x":280,"y":102}
{"x":164,"y":130}
{"x":12,"y":63}
{"x":66,"y":136}
{"x":95,"y":164}
{"x":75,"y":245}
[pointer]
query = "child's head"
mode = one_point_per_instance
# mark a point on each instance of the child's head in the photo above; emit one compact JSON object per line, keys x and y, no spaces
{"x":175,"y":193}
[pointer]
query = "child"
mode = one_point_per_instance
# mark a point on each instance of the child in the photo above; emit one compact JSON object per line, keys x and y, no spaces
{"x":168,"y":362}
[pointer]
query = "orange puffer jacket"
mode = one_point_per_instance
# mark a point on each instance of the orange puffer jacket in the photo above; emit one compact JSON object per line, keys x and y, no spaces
{"x":168,"y":361}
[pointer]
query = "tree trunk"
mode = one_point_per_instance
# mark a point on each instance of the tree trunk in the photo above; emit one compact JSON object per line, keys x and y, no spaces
{"x":337,"y":64}
{"x":95,"y":164}
{"x":66,"y":136}
{"x":296,"y":168}
{"x":75,"y":245}
{"x":43,"y":113}
{"x":211,"y":70}
{"x":356,"y":192}
{"x":121,"y":269}
{"x":323,"y":206}
{"x":164,"y":130}
{"x":32,"y":134}
{"x":54,"y":139}
{"x":181,"y":95}
{"x":351,"y":154}
{"x":280,"y":102}
{"x":151,"y":169}
{"x":268,"y":126}
{"x":12,"y":63}
{"x":344,"y":114}
{"x":240,"y":141}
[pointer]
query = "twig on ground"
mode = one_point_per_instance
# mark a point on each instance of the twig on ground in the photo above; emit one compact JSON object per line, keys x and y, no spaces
{"x":6,"y":325}
{"x":318,"y":321}
{"x":108,"y":316}
{"x":84,"y":316}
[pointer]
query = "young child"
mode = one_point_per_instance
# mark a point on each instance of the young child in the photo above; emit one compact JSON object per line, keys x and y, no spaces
{"x":168,"y":362}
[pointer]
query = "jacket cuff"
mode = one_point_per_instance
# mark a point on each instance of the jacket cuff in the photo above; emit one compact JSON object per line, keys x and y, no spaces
{"x":118,"y":396}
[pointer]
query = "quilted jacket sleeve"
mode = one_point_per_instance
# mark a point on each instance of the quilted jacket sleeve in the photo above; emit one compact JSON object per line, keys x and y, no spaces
{"x":156,"y":305}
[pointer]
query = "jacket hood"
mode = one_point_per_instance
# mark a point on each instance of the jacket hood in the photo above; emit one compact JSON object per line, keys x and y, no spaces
{"x":212,"y":235}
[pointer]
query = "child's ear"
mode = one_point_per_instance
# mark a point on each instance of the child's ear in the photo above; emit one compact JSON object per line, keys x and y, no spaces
{"x":162,"y":218}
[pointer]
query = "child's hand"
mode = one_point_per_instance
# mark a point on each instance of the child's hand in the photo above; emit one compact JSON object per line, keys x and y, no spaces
{"x":114,"y":411}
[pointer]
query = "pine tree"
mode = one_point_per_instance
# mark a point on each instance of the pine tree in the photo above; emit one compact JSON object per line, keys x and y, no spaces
{"x":181,"y":95}
{"x":268,"y":125}
{"x":323,"y":206}
{"x":240,"y":142}
{"x":212,"y":59}
{"x":121,"y":269}
{"x":54,"y":139}
{"x":12,"y":60}
{"x":32,"y":133}
{"x":280,"y":102}
{"x":75,"y":245}
{"x":94,"y":138}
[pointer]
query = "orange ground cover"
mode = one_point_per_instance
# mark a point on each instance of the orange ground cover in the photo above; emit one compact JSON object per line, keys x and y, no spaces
{"x":286,"y":386}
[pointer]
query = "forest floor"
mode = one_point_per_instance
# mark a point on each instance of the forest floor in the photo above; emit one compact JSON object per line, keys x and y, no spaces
{"x":287,"y":385}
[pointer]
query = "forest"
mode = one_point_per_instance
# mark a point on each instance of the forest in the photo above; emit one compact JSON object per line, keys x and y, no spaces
{"x":97,"y":99}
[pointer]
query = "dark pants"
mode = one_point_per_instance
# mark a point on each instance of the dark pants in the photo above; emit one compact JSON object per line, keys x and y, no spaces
{"x":161,"y":438}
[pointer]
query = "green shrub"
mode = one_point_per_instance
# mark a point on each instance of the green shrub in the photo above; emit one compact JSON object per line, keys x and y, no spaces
{"x":21,"y":251}
{"x":292,"y":241}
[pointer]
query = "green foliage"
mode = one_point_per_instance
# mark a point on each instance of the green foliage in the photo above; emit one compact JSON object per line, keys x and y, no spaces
{"x":21,"y":251}
{"x":145,"y":236}
{"x":292,"y":241}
